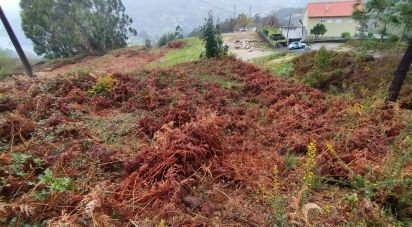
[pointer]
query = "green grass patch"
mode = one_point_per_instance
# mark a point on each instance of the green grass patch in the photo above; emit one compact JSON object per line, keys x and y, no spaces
{"x":266,"y":59}
{"x":284,"y":69}
{"x":279,"y":64}
{"x":190,"y":52}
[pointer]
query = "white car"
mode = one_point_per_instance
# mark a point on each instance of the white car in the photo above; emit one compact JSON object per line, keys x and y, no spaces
{"x":296,"y":45}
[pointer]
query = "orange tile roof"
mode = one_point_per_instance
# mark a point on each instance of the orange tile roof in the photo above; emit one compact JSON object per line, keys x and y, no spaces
{"x":330,"y":9}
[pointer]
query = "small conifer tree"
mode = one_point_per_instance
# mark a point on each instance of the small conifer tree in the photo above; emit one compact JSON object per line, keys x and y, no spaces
{"x":213,"y":41}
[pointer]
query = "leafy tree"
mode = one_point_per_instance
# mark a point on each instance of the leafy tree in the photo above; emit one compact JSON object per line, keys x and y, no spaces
{"x":243,"y":21}
{"x":61,"y":28}
{"x":212,"y":39}
{"x":319,"y":29}
{"x":380,"y":11}
{"x":228,"y":25}
{"x":178,"y":32}
{"x":271,"y":21}
{"x":257,"y":19}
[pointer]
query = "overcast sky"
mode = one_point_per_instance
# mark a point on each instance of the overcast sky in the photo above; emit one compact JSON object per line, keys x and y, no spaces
{"x":12,"y":10}
{"x":158,"y":16}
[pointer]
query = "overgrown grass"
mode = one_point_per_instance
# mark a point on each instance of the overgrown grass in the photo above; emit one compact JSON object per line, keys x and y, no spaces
{"x":265,"y":59}
{"x":367,"y":45}
{"x":190,"y":52}
{"x":279,"y":64}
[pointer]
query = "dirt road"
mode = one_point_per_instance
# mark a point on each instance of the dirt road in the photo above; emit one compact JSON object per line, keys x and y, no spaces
{"x":246,"y":45}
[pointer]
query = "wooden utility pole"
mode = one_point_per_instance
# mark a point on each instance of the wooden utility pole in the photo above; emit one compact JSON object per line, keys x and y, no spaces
{"x":287,"y":34}
{"x":234,"y":12}
{"x":303,"y":29}
{"x":16,"y":44}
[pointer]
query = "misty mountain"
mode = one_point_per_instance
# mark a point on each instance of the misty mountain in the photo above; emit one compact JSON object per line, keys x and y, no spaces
{"x":156,"y":17}
{"x":160,"y":16}
{"x":284,"y":14}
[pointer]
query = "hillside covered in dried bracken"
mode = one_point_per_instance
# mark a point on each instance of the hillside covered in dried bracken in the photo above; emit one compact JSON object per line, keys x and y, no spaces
{"x":206,"y":143}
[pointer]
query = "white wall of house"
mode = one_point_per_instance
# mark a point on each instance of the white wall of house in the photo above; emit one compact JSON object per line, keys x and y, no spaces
{"x":294,"y":32}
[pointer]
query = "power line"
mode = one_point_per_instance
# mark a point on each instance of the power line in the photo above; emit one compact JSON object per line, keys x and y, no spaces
{"x":214,"y":6}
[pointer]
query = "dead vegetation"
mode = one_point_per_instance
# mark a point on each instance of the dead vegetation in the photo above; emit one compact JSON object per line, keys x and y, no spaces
{"x":355,"y":72}
{"x":126,"y":60}
{"x":176,"y":44}
{"x":180,"y":147}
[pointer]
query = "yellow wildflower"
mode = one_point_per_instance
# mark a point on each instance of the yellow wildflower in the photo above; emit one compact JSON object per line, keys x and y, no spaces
{"x":310,"y":164}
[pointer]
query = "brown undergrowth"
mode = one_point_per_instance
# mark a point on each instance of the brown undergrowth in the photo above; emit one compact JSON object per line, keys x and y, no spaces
{"x":199,"y":144}
{"x":351,"y":72}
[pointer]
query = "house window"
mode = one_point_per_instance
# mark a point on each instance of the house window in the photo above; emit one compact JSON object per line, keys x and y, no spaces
{"x":338,"y":21}
{"x":322,"y":21}
{"x":329,"y":21}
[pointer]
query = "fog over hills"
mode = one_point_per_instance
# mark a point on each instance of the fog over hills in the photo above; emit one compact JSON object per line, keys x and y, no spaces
{"x":155,"y":17}
{"x":159,"y":16}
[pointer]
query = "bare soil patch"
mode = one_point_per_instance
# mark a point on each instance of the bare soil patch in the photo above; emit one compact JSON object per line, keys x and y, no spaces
{"x":246,"y":45}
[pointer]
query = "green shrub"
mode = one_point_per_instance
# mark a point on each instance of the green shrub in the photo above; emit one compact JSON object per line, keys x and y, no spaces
{"x":319,"y":79}
{"x":18,"y":163}
{"x":393,"y":38}
{"x":284,"y":69}
{"x":345,"y":35}
{"x":323,"y":58}
{"x":55,"y":184}
{"x":265,"y":32}
{"x":290,"y":161}
{"x":52,"y":184}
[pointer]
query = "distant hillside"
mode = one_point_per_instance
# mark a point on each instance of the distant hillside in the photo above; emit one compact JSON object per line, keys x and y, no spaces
{"x":8,"y":62}
{"x":156,"y":17}
{"x":283,"y":15}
